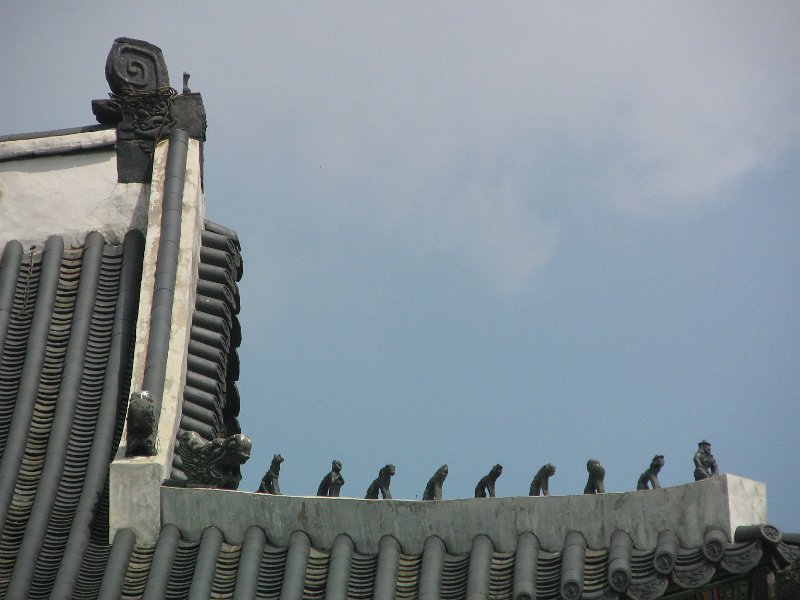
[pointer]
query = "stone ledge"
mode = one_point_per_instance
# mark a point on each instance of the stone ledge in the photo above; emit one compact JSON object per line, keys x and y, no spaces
{"x":687,"y":510}
{"x":57,"y":144}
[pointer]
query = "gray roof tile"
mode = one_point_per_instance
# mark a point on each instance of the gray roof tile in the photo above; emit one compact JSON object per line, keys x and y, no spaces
{"x":65,"y":335}
{"x":212,"y":568}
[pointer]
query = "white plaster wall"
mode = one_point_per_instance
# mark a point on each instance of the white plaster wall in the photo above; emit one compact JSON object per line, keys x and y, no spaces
{"x":746,"y":498}
{"x":71,"y":195}
{"x":686,"y":510}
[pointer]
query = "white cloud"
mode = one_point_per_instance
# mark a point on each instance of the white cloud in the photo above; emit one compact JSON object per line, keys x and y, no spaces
{"x":434,"y":122}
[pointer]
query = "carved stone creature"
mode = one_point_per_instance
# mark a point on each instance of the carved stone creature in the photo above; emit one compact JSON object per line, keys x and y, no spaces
{"x":332,"y":482}
{"x":651,"y":475}
{"x":269,"y":483}
{"x":381,"y":484}
{"x":486,"y":484}
{"x":433,"y":491}
{"x":141,"y":426}
{"x":596,"y":475}
{"x":216,"y":463}
{"x":541,"y":481}
{"x":705,"y":465}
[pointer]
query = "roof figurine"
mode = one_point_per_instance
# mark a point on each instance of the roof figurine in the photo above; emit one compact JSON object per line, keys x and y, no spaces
{"x":269,"y":483}
{"x":541,"y":481}
{"x":141,"y":426}
{"x":486,"y":484}
{"x":705,"y":465}
{"x":596,"y":475}
{"x":381,"y":484}
{"x":332,"y":483}
{"x":650,"y":476}
{"x":433,"y":491}
{"x":216,"y":463}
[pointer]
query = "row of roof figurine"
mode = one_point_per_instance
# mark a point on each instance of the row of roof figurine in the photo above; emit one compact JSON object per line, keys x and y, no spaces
{"x":704,"y":462}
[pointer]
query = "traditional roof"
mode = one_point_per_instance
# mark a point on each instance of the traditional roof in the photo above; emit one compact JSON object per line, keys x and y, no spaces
{"x":257,"y":568}
{"x":134,"y":291}
{"x":210,"y":396}
{"x":67,"y":319}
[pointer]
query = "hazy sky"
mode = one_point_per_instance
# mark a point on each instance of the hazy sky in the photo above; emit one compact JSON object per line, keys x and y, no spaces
{"x":479,"y":233}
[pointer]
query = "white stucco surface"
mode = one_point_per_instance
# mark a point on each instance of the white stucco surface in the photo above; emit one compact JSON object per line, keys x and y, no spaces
{"x":687,"y":510}
{"x":68,"y":194}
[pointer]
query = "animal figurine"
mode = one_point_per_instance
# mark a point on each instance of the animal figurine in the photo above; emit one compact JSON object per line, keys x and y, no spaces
{"x":486,"y":483}
{"x":269,"y":483}
{"x":332,"y":482}
{"x":141,"y":426}
{"x":650,"y":476}
{"x":541,"y":481}
{"x":596,"y":475}
{"x":215,"y":464}
{"x":433,"y":491}
{"x":381,"y":484}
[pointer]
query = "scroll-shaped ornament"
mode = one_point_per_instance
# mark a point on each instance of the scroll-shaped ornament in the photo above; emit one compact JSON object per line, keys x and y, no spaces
{"x":135,"y":66}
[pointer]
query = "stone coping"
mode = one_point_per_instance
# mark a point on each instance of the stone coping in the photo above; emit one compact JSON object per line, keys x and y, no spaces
{"x":56,"y":143}
{"x":724,"y":502}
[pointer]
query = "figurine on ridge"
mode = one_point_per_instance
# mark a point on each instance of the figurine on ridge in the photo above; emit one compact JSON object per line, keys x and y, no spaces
{"x":141,"y":426}
{"x":596,"y":475}
{"x":381,"y":484}
{"x":541,"y":481}
{"x":269,"y":483}
{"x":332,"y":482}
{"x":215,"y":464}
{"x":486,"y":484}
{"x":651,"y":474}
{"x":433,"y":491}
{"x":705,"y":465}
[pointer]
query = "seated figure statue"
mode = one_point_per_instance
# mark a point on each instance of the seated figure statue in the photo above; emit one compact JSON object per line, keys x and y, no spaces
{"x":651,"y":475}
{"x":705,"y":465}
{"x":332,"y":482}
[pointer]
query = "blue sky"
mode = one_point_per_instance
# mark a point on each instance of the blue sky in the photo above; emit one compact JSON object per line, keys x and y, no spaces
{"x":526,"y":234}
